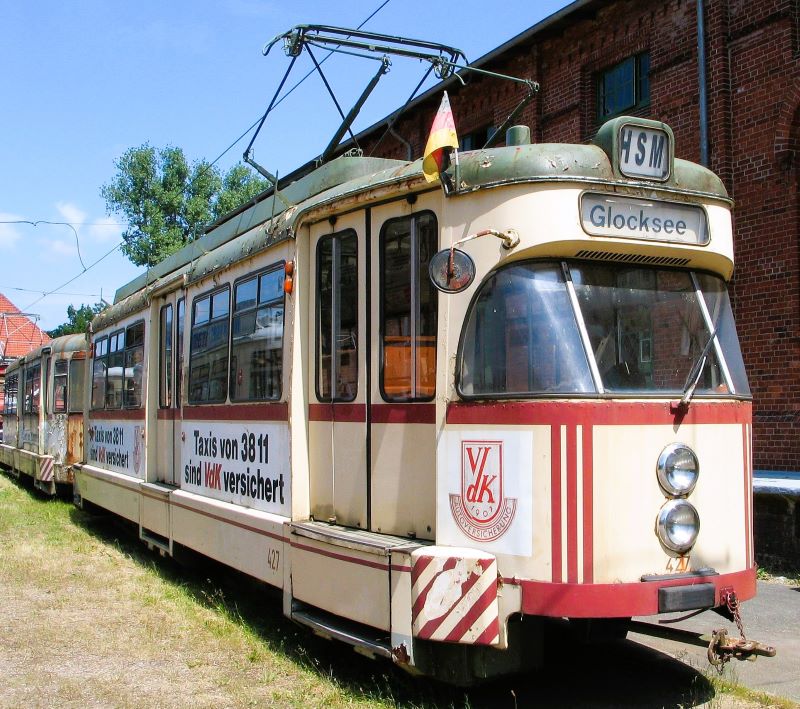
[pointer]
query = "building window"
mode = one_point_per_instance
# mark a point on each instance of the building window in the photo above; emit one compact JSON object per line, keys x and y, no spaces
{"x":208,"y":348}
{"x":60,"y":386}
{"x":408,"y":308}
{"x":476,"y":139}
{"x":337,"y":317}
{"x":624,"y":86}
{"x":257,"y":337}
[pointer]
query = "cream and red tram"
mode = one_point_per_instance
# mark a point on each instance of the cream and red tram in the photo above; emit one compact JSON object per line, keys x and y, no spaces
{"x":563,"y":431}
{"x":43,"y":413}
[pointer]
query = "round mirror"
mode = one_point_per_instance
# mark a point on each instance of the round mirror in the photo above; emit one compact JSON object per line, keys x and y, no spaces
{"x":451,"y":274}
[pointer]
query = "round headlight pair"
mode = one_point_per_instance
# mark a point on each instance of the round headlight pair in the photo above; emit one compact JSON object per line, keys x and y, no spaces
{"x":678,"y":521}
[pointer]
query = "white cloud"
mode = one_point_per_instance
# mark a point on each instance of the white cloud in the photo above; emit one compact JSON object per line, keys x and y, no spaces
{"x":9,"y":233}
{"x":71,"y":213}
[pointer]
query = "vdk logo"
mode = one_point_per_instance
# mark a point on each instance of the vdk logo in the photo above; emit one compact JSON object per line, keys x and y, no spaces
{"x":481,"y":510}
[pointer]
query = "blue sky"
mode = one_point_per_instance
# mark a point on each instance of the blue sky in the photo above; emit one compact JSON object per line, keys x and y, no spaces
{"x":82,"y":81}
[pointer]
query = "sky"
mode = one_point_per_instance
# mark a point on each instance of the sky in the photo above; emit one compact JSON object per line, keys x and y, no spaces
{"x":82,"y":81}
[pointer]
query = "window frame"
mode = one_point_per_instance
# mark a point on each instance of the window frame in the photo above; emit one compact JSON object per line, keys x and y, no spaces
{"x":31,"y":406}
{"x":334,"y":397}
{"x":277,"y":266}
{"x":65,"y":377}
{"x":75,"y":365}
{"x":131,"y":348}
{"x":210,"y":295}
{"x":413,"y":306}
{"x":166,"y":365}
{"x":640,"y":77}
{"x":180,"y":331}
{"x":104,"y":340}
{"x":11,"y":394}
{"x":109,"y":353}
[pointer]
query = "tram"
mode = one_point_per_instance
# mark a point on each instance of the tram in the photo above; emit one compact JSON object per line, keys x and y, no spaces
{"x":434,"y":418}
{"x":43,"y":413}
{"x":436,"y":414}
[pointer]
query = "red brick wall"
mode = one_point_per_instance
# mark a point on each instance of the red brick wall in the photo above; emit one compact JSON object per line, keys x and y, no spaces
{"x":753,"y":72}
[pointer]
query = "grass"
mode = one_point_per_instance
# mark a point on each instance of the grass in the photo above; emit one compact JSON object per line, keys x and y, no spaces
{"x":779,"y":574}
{"x":90,"y":618}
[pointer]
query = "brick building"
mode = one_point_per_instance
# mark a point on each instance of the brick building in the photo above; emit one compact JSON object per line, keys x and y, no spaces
{"x":599,"y":58}
{"x":18,"y":336}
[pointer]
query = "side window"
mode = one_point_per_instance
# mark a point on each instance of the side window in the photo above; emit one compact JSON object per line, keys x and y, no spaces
{"x":11,"y":389}
{"x":337,"y":317}
{"x":77,"y":375}
{"x":60,"y":373}
{"x":33,"y":381}
{"x":179,"y":335}
{"x":114,"y":369}
{"x":208,"y":348}
{"x":165,"y":358}
{"x":99,"y":367}
{"x":257,"y":337}
{"x":408,"y":309}
{"x":134,"y":366}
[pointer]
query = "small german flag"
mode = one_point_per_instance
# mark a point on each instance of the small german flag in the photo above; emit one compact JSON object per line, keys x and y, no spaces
{"x":441,"y":142}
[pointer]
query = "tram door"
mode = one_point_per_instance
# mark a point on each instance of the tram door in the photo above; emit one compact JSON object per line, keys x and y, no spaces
{"x":402,"y":408}
{"x":32,"y":401}
{"x":167,"y":337}
{"x":337,"y":378}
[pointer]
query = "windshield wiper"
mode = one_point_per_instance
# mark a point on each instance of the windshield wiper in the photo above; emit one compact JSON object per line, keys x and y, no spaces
{"x":694,"y":374}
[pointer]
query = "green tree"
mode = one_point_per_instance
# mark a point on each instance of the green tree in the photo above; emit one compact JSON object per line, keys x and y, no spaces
{"x":167,"y":202}
{"x":78,"y":319}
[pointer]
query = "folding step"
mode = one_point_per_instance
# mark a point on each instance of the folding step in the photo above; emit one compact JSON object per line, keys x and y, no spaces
{"x":364,"y":639}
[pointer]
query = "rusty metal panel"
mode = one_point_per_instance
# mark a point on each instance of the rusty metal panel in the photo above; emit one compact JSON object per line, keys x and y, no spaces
{"x":74,"y":439}
{"x":55,"y":430}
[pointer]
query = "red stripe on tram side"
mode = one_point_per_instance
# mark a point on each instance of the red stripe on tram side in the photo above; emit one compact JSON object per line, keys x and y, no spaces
{"x":588,"y":506}
{"x":748,"y":491}
{"x":170,"y":414}
{"x":267,"y":411}
{"x":117,"y":415}
{"x":572,"y":504}
{"x":555,"y":500}
{"x":343,"y":413}
{"x":599,"y":412}
{"x":403,"y":413}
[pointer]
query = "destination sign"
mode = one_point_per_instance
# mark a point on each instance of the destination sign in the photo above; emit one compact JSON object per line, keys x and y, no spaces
{"x":644,"y":152}
{"x":628,"y":217}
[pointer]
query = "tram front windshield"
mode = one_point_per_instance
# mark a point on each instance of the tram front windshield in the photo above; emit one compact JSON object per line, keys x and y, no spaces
{"x":541,"y":328}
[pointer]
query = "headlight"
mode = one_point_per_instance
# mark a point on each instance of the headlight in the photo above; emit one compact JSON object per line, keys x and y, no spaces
{"x":677,"y":469}
{"x":678,"y":525}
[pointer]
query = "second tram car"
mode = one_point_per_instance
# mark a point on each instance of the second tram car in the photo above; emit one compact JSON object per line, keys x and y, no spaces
{"x":43,"y":413}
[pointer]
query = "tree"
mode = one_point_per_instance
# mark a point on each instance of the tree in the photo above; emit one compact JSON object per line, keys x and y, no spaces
{"x":168,"y":202}
{"x":77,"y":319}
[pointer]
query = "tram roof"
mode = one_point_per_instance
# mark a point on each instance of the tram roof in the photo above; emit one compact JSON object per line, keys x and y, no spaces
{"x":59,"y":345}
{"x":237,"y":235}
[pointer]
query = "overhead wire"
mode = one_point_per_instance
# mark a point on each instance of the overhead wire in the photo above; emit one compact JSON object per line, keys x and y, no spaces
{"x":291,"y":90}
{"x":209,"y":166}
